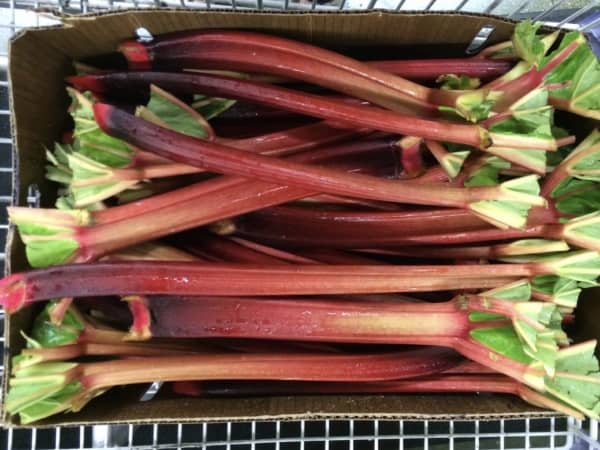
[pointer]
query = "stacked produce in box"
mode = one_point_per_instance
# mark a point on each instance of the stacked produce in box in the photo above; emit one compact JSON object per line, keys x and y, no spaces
{"x":241,"y":214}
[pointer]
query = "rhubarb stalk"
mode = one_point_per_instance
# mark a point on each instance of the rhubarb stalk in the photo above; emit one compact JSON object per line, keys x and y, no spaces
{"x":179,"y":278}
{"x":485,"y":200}
{"x":174,"y":278}
{"x":81,"y":235}
{"x":49,"y":388}
{"x":288,"y":99}
{"x":253,"y":52}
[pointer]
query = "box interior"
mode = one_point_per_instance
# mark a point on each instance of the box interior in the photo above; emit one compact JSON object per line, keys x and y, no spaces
{"x":39,"y":60}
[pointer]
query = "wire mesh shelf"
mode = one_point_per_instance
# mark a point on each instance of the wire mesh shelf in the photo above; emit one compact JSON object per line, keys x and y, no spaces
{"x":549,"y":433}
{"x":552,"y":433}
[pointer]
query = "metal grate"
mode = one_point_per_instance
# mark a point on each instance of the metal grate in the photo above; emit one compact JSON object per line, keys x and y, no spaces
{"x":551,"y":433}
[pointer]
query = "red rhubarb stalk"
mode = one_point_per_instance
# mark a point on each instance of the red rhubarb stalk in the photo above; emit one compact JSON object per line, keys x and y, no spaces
{"x":448,"y":323}
{"x":295,"y":139}
{"x":549,"y":231}
{"x":346,"y":229}
{"x":412,"y":69}
{"x":80,"y":382}
{"x":202,"y":189}
{"x":242,"y":56}
{"x":149,"y":166}
{"x":253,"y":52}
{"x":265,"y":366}
{"x":328,"y":199}
{"x":184,"y":278}
{"x":279,"y":97}
{"x":303,"y":226}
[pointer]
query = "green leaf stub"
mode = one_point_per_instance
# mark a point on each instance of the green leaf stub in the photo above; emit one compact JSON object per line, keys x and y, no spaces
{"x":502,"y":340}
{"x":526,"y":43}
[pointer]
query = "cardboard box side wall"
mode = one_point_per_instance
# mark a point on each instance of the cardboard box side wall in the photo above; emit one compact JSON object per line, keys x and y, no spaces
{"x":39,"y":59}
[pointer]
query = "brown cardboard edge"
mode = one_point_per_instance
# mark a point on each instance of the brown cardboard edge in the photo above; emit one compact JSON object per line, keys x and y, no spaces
{"x":68,"y":18}
{"x":77,"y":21}
{"x":299,"y":417}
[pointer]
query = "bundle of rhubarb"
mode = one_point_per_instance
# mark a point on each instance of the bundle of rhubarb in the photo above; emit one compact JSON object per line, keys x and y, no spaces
{"x":241,"y":214}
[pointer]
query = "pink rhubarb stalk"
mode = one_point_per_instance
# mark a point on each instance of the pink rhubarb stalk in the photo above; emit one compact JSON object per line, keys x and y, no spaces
{"x":265,"y":366}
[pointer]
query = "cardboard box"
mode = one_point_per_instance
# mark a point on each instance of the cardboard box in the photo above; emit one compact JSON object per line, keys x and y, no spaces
{"x":39,"y":60}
